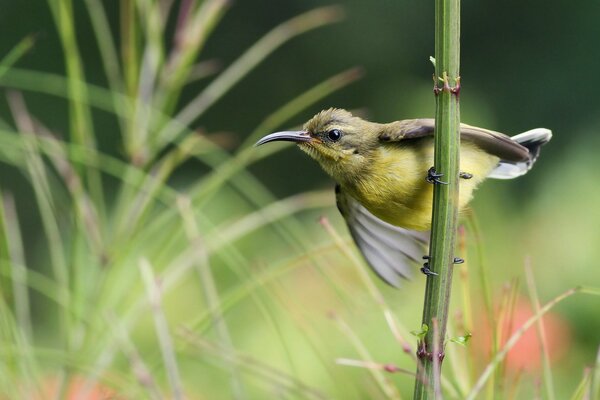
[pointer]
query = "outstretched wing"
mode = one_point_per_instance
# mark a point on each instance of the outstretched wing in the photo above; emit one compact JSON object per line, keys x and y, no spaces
{"x":391,"y":251}
{"x":494,"y":143}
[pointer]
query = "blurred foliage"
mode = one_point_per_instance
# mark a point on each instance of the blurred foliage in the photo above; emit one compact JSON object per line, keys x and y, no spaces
{"x":191,"y":276}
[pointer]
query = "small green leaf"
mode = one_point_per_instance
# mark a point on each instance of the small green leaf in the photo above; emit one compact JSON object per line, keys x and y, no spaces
{"x":432,"y":59}
{"x":462,"y":340}
{"x":421,"y":334}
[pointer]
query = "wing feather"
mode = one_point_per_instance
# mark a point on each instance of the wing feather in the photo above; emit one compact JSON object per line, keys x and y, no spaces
{"x":495,"y":143}
{"x":389,"y":250}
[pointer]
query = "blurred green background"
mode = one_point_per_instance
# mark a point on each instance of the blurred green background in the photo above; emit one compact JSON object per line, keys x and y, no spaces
{"x":284,"y":300}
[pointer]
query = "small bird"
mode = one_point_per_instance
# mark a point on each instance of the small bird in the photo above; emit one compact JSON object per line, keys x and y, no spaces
{"x":384,"y":177}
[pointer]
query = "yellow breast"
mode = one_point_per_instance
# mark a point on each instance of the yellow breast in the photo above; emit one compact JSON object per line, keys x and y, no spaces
{"x":394,"y":187}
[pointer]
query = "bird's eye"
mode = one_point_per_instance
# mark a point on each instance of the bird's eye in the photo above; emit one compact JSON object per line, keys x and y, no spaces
{"x":334,"y":135}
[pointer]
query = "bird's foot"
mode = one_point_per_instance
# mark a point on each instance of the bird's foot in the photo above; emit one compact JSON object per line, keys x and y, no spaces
{"x":426,"y":269}
{"x":434,"y":177}
{"x":465,"y":175}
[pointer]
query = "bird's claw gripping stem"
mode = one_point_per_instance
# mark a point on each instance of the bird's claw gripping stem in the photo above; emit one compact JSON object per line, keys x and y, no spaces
{"x":425,"y":269}
{"x":434,"y":177}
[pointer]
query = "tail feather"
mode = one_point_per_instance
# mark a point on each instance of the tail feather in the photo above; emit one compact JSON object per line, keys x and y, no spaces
{"x":533,"y":140}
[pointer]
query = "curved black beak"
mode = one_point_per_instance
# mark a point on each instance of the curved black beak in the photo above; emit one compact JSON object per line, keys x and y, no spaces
{"x":287,"y":136}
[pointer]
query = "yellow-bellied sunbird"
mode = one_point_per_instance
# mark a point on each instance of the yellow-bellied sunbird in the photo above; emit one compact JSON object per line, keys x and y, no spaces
{"x":383,"y":177}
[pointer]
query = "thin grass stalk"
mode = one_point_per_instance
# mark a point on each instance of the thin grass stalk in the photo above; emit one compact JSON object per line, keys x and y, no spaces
{"x":162,"y":329}
{"x":16,"y":53}
{"x":209,"y":289}
{"x":129,"y":33}
{"x":45,"y":201}
{"x":202,"y":322}
{"x":463,"y":376}
{"x":374,"y":292}
{"x":253,"y":366}
{"x":41,"y":187}
{"x":594,"y":388}
{"x":506,"y":319}
{"x":87,"y":215}
{"x":486,"y":288}
{"x":547,"y":370}
{"x":80,"y":118}
{"x":140,"y":370}
{"x":304,"y":319}
{"x":152,"y":60}
{"x":15,"y":324}
{"x":108,"y":51}
{"x":445,"y":196}
{"x":194,"y":26}
{"x":6,"y":268}
{"x":389,"y":390}
{"x":584,"y":386}
{"x":17,"y":262}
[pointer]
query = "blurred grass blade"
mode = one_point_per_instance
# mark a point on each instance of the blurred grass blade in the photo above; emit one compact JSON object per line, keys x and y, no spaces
{"x":87,"y":213}
{"x":19,"y":270}
{"x":162,"y":329}
{"x":582,"y":390}
{"x":373,"y":365}
{"x":129,"y":45}
{"x":265,"y":372}
{"x":400,"y":333}
{"x":209,"y":288}
{"x":388,"y":389}
{"x":80,"y":118}
{"x":594,"y":390}
{"x":194,"y":26}
{"x":108,"y":51}
{"x":541,"y":332}
{"x":244,"y":64}
{"x":16,"y":53}
{"x":43,"y":194}
{"x":263,"y":277}
{"x":203,"y":70}
{"x":139,"y":368}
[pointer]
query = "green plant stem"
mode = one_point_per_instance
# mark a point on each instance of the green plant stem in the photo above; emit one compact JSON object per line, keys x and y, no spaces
{"x":445,"y":196}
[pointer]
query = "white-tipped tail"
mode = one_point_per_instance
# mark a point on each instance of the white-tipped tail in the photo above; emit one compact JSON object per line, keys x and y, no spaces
{"x":533,"y":139}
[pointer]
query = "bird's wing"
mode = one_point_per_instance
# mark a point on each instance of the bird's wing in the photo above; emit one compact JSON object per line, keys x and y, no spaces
{"x":494,"y":143}
{"x":388,"y":249}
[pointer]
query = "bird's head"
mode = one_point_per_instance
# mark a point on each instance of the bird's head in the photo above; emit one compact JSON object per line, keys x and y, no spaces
{"x":339,"y":141}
